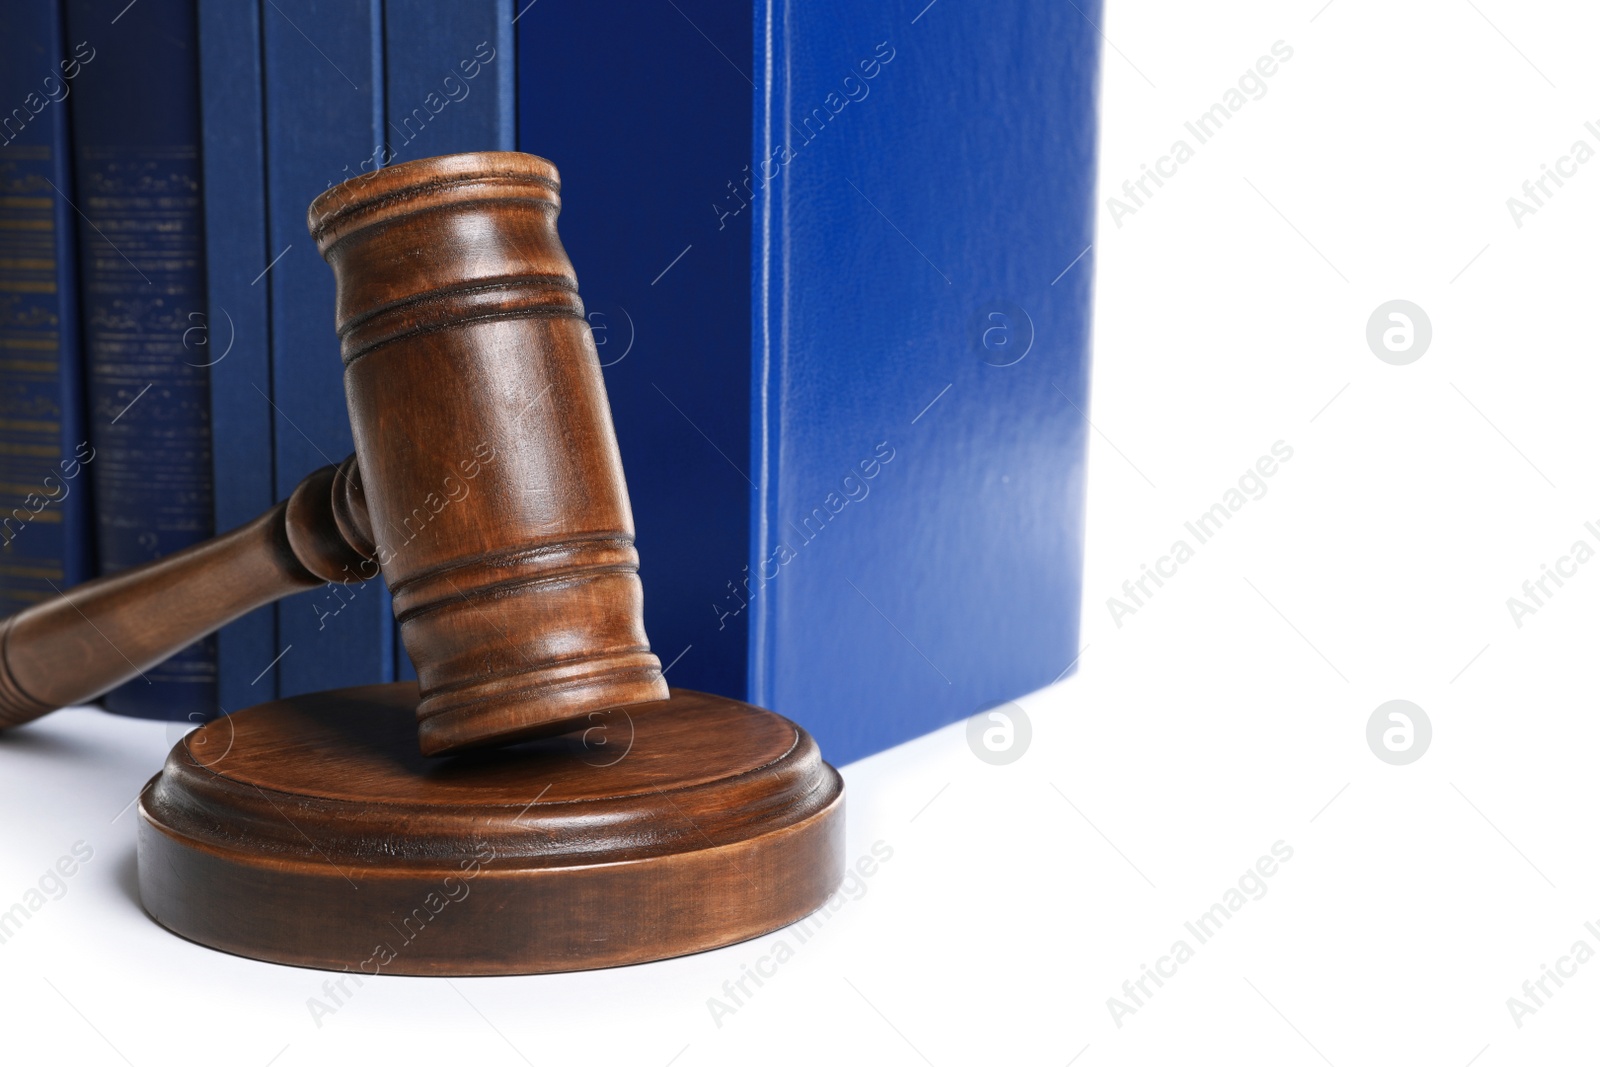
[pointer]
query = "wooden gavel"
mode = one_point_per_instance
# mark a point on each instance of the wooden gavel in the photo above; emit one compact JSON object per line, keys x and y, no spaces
{"x":486,"y":484}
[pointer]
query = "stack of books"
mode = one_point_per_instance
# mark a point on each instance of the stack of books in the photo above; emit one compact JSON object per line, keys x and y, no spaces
{"x":836,"y":260}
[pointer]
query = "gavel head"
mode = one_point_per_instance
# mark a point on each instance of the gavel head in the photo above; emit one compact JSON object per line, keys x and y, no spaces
{"x":491,"y":482}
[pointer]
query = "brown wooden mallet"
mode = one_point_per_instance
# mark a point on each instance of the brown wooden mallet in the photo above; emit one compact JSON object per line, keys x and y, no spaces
{"x":624,"y":823}
{"x":486,"y":482}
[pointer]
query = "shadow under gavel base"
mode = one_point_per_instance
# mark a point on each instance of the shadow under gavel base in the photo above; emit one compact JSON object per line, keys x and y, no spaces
{"x":310,"y":831}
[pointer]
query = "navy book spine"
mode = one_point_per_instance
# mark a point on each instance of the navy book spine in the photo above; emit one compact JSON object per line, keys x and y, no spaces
{"x":648,"y":119}
{"x":238,"y":320}
{"x":136,"y":139}
{"x":450,"y":78}
{"x":324,"y":97}
{"x":922,"y":187}
{"x":45,"y":543}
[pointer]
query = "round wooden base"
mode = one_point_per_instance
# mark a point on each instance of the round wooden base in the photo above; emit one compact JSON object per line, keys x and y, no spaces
{"x":310,"y":831}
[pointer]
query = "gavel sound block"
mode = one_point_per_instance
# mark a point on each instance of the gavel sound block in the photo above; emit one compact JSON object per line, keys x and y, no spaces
{"x":623,"y":823}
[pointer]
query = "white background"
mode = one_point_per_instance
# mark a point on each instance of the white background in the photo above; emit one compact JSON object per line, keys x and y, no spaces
{"x":1227,"y":714}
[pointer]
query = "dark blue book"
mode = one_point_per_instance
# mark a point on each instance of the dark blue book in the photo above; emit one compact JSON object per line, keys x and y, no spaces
{"x":450,"y":75}
{"x":325,"y":122}
{"x":648,"y":119}
{"x":136,"y":139}
{"x":842,"y":255}
{"x":237,"y":324}
{"x":45,"y":543}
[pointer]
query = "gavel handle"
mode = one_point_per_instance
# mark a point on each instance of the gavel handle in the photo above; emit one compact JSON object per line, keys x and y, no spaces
{"x":104,"y":632}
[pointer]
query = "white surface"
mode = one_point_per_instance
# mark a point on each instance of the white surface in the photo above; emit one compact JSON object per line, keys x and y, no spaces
{"x":1226,"y":715}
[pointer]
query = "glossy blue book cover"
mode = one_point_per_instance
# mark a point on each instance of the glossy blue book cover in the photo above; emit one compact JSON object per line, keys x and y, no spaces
{"x":45,"y":542}
{"x":325,"y":123}
{"x":846,"y":348}
{"x":136,"y":137}
{"x":923,"y":223}
{"x":450,"y":75}
{"x":237,"y":328}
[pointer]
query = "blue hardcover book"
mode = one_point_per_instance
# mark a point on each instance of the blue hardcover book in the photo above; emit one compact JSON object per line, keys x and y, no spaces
{"x":325,"y":123}
{"x":847,"y":343}
{"x":922,"y":220}
{"x":237,"y":326}
{"x":450,"y":74}
{"x":136,"y":138}
{"x":45,"y":544}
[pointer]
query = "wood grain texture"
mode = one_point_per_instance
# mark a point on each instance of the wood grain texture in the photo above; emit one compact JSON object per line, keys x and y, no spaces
{"x":310,"y":831}
{"x":107,"y":631}
{"x":486,"y":486}
{"x":495,"y":492}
